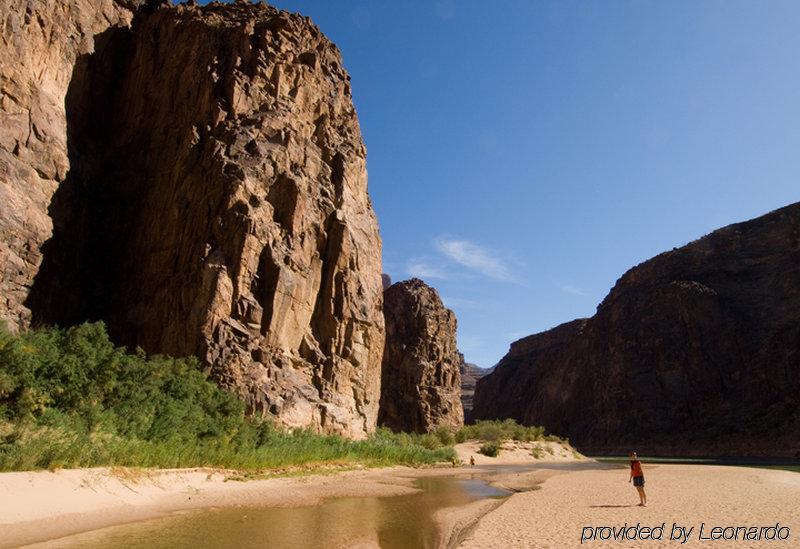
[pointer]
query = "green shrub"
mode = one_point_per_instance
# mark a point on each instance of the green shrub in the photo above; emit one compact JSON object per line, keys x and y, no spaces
{"x":445,"y":436}
{"x":429,"y":441}
{"x":79,"y":372}
{"x":491,"y":449}
{"x":500,"y":430}
{"x":70,"y":398}
{"x":537,"y":452}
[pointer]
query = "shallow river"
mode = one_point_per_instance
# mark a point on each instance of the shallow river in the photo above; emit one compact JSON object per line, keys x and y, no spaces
{"x":389,"y":522}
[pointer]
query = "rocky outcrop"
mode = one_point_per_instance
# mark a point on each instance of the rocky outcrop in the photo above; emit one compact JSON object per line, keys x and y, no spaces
{"x":421,"y":382}
{"x":470,"y":374}
{"x":212,"y":201}
{"x":694,"y":352}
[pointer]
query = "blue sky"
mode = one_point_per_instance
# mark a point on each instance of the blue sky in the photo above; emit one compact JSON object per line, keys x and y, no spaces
{"x":523,"y":155}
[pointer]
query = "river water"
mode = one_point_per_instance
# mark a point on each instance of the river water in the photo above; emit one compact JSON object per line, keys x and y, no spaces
{"x":389,"y":522}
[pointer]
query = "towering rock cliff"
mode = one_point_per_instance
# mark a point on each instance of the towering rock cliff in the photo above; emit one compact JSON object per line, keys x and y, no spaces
{"x":694,"y":352}
{"x":209,"y":198}
{"x":421,"y":385}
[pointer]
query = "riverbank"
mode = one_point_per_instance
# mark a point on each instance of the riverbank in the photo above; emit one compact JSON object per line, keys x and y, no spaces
{"x":550,"y":505}
{"x":518,"y":452}
{"x":687,"y":495}
{"x":42,"y":505}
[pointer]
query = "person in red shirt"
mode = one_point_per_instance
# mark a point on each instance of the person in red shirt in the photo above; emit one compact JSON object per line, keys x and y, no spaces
{"x":637,"y":477}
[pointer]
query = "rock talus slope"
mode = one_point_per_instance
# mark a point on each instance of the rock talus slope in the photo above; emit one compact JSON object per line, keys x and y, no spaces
{"x":421,"y":381}
{"x":694,"y":352}
{"x":213,"y":201}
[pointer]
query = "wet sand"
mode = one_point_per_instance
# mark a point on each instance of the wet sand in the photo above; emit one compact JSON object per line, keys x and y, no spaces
{"x":555,"y":515}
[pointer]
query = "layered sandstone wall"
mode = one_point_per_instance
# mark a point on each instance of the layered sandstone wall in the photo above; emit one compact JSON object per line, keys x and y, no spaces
{"x":421,"y":380}
{"x":694,"y":352}
{"x":213,"y":201}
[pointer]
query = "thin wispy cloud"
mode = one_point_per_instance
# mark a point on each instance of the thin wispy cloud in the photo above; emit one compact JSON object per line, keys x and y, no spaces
{"x":420,"y":267}
{"x":474,"y":257}
{"x":570,"y":289}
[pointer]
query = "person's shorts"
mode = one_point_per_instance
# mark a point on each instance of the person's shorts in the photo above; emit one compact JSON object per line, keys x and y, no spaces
{"x":638,"y":481}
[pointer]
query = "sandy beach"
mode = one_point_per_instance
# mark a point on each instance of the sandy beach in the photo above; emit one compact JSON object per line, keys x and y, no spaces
{"x":549,"y":508}
{"x":689,"y":495}
{"x":517,"y":452}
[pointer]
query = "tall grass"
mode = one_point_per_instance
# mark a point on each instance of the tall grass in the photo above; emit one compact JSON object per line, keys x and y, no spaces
{"x":45,"y":448}
{"x":70,"y":398}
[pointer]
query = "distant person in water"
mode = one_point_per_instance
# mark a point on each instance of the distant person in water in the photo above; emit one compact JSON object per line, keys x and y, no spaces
{"x":637,"y":477}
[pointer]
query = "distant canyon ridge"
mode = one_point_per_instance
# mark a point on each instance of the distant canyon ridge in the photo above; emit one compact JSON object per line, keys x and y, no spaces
{"x":695,"y":352}
{"x":470,"y":374}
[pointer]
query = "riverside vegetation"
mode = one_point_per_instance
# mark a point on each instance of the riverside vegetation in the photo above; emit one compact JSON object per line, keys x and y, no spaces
{"x":71,"y":398}
{"x":495,"y":432}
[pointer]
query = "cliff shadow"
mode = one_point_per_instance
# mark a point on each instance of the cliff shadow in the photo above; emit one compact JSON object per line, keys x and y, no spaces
{"x":76,"y":281}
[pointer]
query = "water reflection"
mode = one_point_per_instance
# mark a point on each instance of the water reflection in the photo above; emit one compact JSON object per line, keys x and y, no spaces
{"x":360,"y":522}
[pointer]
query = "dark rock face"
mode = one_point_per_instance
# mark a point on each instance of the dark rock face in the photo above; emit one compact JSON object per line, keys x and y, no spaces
{"x":694,"y":352}
{"x":421,"y":381}
{"x":470,"y":374}
{"x":212,"y":201}
{"x":43,"y":42}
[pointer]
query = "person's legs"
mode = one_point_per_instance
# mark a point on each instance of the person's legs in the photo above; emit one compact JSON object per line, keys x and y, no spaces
{"x":642,"y":498}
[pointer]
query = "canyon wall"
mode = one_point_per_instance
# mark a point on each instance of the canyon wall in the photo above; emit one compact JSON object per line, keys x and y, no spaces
{"x":421,"y":381}
{"x":695,"y":352}
{"x":208,"y":197}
